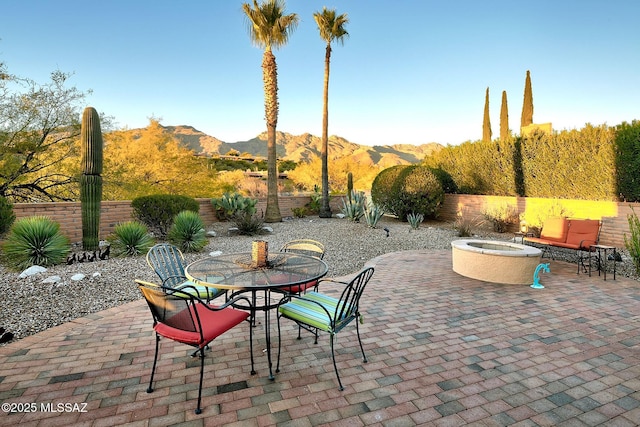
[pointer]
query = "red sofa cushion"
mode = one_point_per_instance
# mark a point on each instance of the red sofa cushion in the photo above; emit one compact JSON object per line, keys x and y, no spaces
{"x":555,"y":229}
{"x":582,"y":233}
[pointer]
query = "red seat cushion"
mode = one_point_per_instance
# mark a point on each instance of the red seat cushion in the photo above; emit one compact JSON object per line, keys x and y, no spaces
{"x":214,"y":324}
{"x":296,"y":289}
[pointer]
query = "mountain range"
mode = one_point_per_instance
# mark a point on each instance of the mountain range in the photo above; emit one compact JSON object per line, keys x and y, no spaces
{"x":304,"y":148}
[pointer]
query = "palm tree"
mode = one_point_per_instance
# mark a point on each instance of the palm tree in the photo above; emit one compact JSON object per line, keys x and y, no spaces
{"x":269,"y":28}
{"x":331,"y":28}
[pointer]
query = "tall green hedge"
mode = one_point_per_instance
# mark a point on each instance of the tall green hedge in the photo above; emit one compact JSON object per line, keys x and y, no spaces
{"x":628,"y":161}
{"x":593,"y":163}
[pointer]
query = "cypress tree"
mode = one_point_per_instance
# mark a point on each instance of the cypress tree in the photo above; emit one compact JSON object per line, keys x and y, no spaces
{"x":486,"y":124}
{"x":504,"y":118}
{"x":527,"y":104}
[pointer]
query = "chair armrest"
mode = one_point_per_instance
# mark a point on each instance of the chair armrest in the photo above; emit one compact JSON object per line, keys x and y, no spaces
{"x":332,"y":281}
{"x":585,"y":244}
{"x":339,"y":282}
{"x":175,"y":276}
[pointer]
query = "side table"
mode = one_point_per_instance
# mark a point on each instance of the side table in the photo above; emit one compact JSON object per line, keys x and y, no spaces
{"x":602,"y":264}
{"x":520,"y":235}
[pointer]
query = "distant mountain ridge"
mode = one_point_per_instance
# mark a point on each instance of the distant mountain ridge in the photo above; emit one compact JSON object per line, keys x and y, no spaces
{"x":304,"y":148}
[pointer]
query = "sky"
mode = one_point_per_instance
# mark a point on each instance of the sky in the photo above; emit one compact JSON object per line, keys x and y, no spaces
{"x":410,"y":72}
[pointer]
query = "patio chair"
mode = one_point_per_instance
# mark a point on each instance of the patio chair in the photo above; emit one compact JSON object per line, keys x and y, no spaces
{"x":314,"y":311}
{"x":168,"y":263}
{"x":304,"y":247}
{"x":186,"y":319}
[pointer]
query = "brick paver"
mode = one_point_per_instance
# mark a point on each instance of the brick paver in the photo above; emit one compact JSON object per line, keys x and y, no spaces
{"x":443,"y":350}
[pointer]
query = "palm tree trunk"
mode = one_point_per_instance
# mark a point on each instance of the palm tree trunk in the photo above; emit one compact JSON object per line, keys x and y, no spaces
{"x":270,"y":80}
{"x":325,"y":210}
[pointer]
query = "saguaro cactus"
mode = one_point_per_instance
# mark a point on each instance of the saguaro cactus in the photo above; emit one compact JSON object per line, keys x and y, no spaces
{"x":91,"y":181}
{"x":349,"y":185}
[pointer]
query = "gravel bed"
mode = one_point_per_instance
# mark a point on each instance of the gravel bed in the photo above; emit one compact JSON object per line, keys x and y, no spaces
{"x":30,"y":305}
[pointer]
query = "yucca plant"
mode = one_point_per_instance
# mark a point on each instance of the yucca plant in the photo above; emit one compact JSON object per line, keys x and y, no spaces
{"x":372,"y":214}
{"x":35,"y":240}
{"x":187,"y":232}
{"x":131,"y":238}
{"x":415,"y":219}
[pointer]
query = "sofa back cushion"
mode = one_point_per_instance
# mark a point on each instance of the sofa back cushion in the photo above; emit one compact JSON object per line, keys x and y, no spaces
{"x":555,"y":229}
{"x":583,"y":232}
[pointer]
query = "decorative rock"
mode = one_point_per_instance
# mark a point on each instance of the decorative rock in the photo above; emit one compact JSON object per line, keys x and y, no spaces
{"x":78,"y":277}
{"x":215,"y":253}
{"x":33,"y":270}
{"x":96,"y":274}
{"x":340,"y":215}
{"x":267,"y":229}
{"x":52,"y":279}
{"x":211,"y":233}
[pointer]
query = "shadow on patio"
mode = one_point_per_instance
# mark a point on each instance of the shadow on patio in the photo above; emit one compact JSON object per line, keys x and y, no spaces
{"x":443,"y":350}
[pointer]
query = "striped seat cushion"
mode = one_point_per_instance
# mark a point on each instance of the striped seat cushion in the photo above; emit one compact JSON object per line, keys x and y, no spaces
{"x":309,"y":310}
{"x":202,"y":292}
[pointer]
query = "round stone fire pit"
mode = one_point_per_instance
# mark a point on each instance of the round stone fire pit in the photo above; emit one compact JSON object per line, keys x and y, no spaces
{"x":495,"y":261}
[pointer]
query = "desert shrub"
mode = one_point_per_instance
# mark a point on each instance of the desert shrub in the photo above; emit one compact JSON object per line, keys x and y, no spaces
{"x":227,"y":206}
{"x":501,"y":216}
{"x":300,"y":212}
{"x":416,"y":190}
{"x":35,"y":240}
{"x":632,"y":243}
{"x":187,"y":232}
{"x":6,"y":215}
{"x":131,"y":238}
{"x":465,"y":223}
{"x":158,"y":211}
{"x":316,"y":200}
{"x":382,"y":185}
{"x":248,"y":224}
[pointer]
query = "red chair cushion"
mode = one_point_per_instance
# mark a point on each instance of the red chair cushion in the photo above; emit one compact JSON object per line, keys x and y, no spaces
{"x":214,"y":324}
{"x":296,"y":289}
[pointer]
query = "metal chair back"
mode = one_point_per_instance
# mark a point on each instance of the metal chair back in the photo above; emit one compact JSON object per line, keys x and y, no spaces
{"x":168,"y":263}
{"x":304,"y":247}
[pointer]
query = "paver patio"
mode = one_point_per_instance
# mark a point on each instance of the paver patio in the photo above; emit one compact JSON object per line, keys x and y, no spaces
{"x":444,"y":350}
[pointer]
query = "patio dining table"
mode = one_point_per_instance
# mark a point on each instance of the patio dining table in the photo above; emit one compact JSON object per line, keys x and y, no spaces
{"x":236,"y":272}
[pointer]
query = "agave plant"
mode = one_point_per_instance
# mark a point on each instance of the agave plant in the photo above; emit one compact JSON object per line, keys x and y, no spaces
{"x":130,"y":238}
{"x":187,"y":232}
{"x":35,"y":240}
{"x":372,"y":214}
{"x":415,"y":219}
{"x":353,"y":207}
